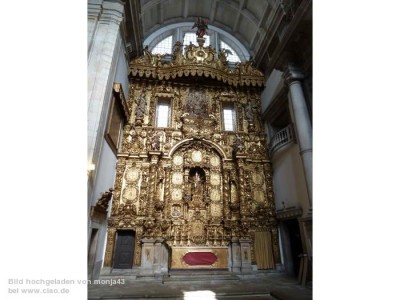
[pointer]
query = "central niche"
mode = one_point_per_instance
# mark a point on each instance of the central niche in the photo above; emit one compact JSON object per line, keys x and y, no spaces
{"x":196,"y":206}
{"x":197,"y":181}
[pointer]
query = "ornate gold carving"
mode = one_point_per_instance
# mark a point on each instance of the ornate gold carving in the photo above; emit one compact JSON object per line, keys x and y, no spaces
{"x":177,"y":178}
{"x":178,"y":160}
{"x":196,"y":61}
{"x":130,"y":193}
{"x":215,"y":179}
{"x":176,"y":194}
{"x":132,"y":174}
{"x":216,"y":210}
{"x":214,"y":161}
{"x":215,"y":195}
{"x":197,"y":156}
{"x":259,"y":196}
{"x":192,"y":184}
{"x":258,"y":178}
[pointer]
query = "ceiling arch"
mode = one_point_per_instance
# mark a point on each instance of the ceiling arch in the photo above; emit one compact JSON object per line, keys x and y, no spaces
{"x":156,"y":36}
{"x":243,"y":19}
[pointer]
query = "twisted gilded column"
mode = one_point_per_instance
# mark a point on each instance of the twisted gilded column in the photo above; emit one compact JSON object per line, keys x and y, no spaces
{"x":242,"y":194}
{"x":225,"y":197}
{"x":293,"y":77}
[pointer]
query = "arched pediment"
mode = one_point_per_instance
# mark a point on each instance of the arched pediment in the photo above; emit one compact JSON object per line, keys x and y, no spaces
{"x":197,"y":142}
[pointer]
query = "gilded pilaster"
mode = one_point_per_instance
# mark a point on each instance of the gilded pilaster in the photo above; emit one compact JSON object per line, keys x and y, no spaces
{"x":242,"y":192}
{"x":109,"y":247}
{"x":152,"y":183}
{"x":226,"y":191}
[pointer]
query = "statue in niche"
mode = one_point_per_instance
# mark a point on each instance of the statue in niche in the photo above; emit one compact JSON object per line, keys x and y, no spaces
{"x":249,"y":113}
{"x":197,"y":190}
{"x":197,"y":184}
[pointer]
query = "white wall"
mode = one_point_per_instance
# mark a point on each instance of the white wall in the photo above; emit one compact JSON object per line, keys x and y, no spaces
{"x":273,"y":86}
{"x":288,"y":178}
{"x":121,"y":75}
{"x":106,"y":172}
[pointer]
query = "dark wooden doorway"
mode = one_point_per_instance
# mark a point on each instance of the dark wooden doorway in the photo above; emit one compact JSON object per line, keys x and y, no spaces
{"x":124,"y":249}
{"x":296,"y":247}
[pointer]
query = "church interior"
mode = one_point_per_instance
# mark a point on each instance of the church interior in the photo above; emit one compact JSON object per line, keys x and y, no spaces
{"x":200,"y":139}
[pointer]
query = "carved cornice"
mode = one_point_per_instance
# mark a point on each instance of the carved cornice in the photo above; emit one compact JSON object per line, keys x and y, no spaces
{"x":289,"y":213}
{"x":196,"y":61}
{"x":112,"y":12}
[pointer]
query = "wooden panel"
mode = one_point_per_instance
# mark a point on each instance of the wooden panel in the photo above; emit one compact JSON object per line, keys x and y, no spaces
{"x":178,"y":253}
{"x":124,"y":250}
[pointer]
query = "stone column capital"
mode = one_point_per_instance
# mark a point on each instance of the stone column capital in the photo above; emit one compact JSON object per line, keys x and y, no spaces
{"x":112,"y":12}
{"x":94,"y":9}
{"x":293,"y":74}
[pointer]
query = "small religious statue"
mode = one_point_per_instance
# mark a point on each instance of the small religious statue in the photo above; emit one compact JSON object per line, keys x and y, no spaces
{"x":223,"y":55}
{"x":249,"y":113}
{"x":154,"y":141}
{"x":177,"y":52}
{"x":197,"y":187}
{"x":202,"y":27}
{"x":239,"y":144}
{"x":197,"y":180}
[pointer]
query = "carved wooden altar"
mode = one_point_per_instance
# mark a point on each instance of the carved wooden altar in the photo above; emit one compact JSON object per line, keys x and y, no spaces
{"x":192,"y":184}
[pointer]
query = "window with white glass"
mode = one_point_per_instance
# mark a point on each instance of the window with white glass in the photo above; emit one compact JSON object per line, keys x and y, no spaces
{"x":229,"y":117}
{"x":230,"y":57}
{"x":191,"y":37}
{"x":163,"y":114}
{"x":163,"y":47}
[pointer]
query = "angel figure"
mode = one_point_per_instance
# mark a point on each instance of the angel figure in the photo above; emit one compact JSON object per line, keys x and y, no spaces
{"x":201,"y":27}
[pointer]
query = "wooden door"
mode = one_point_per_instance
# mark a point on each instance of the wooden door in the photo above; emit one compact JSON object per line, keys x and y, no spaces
{"x":124,"y":249}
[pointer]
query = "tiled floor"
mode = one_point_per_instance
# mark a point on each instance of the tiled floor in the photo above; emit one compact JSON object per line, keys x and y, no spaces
{"x":203,"y":287}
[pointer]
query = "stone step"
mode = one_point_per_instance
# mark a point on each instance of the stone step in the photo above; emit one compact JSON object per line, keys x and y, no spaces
{"x":190,"y":278}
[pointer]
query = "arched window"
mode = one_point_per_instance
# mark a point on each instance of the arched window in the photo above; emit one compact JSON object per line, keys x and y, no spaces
{"x":163,"y":47}
{"x":190,"y":37}
{"x":162,"y":40}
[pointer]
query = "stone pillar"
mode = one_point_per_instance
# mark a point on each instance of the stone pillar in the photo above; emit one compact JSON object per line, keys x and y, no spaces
{"x":105,"y":42}
{"x":94,"y":11}
{"x":245,"y":252}
{"x":236,"y":255}
{"x":302,"y":122}
{"x":160,"y":265}
{"x":146,"y":267}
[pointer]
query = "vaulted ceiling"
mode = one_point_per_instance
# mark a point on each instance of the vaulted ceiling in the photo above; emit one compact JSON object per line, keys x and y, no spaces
{"x":264,"y":27}
{"x":245,"y":19}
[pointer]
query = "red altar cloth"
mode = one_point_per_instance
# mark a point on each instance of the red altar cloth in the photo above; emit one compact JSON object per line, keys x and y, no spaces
{"x":199,"y":258}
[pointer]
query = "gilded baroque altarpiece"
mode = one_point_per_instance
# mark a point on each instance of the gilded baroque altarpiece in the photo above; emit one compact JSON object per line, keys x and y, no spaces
{"x":192,"y":184}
